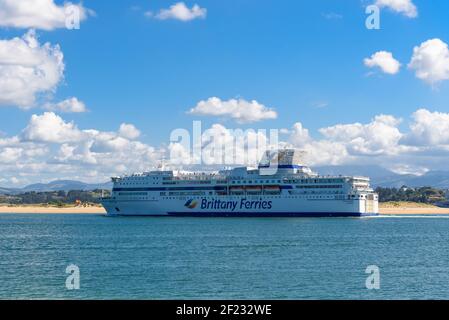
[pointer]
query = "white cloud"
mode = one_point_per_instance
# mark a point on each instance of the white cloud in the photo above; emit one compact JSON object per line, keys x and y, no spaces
{"x":431,"y":61}
{"x":299,"y":136}
{"x":408,"y":169}
{"x":180,"y":11}
{"x":428,"y":129}
{"x":49,"y":127}
{"x":79,"y":153}
{"x":129,"y":131}
{"x":385,"y":61}
{"x":318,"y":152}
{"x":27,"y":69}
{"x":51,"y":148}
{"x":405,"y":7}
{"x":379,"y":137}
{"x":37,"y":14}
{"x":105,"y":142}
{"x":14,"y":180}
{"x":238,"y":109}
{"x":324,"y":152}
{"x":9,"y":155}
{"x":71,"y":105}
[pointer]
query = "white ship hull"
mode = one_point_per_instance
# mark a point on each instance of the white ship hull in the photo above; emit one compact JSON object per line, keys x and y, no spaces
{"x":243,"y":207}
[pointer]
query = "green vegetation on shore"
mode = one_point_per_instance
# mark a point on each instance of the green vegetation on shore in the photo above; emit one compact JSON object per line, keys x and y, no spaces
{"x":425,"y":195}
{"x":55,"y":198}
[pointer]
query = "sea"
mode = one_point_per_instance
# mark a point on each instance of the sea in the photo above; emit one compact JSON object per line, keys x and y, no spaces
{"x":98,"y":257}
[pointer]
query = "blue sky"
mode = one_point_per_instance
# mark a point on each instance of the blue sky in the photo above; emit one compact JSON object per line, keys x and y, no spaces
{"x":304,"y":59}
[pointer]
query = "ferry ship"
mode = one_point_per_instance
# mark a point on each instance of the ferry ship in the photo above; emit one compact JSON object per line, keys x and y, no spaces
{"x":281,"y":186}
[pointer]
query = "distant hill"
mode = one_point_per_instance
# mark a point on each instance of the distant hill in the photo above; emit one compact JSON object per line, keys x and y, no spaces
{"x":9,"y":190}
{"x":436,"y":179}
{"x":372,"y":171}
{"x":381,"y":177}
{"x":58,"y":185}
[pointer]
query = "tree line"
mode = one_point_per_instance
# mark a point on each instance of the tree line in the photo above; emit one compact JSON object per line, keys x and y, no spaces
{"x":422,"y":194}
{"x":55,"y":197}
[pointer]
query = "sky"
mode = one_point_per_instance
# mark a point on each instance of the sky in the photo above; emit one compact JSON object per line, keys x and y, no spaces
{"x":101,"y":100}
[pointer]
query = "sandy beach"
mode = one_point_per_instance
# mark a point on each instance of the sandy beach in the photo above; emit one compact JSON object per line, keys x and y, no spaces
{"x":411,"y":211}
{"x":51,"y":209}
{"x":395,"y":208}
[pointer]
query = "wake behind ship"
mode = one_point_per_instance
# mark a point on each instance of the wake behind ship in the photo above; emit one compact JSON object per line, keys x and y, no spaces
{"x":280,"y":187}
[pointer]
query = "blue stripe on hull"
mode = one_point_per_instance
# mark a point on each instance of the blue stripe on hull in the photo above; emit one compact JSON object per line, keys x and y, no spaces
{"x":270,"y":214}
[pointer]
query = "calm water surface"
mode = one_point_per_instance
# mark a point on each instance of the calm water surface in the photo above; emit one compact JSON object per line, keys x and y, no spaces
{"x":222,"y":258}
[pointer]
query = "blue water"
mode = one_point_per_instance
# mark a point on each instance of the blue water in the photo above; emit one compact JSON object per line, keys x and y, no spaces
{"x":223,"y":258}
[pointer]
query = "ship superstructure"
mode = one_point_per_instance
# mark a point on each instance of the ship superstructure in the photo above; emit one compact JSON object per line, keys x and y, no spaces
{"x":281,"y":186}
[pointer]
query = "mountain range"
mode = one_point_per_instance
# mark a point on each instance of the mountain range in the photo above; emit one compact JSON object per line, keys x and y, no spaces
{"x":58,"y":185}
{"x":380,"y":177}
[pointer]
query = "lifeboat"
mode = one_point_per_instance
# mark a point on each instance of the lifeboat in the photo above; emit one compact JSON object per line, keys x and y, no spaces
{"x":237,"y":190}
{"x":272,"y":189}
{"x":253,"y":189}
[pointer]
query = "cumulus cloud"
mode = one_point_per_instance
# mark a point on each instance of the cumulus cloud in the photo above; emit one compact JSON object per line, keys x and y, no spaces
{"x":383,"y":60}
{"x":37,"y":14}
{"x":180,"y":11}
{"x":51,"y":148}
{"x":405,"y":7}
{"x":129,"y":131}
{"x":238,"y":109}
{"x":27,"y":69}
{"x":380,"y":136}
{"x":49,"y":127}
{"x":317,"y":152}
{"x":299,"y":136}
{"x":430,"y":61}
{"x":71,"y":105}
{"x":345,"y":143}
{"x":76,"y":154}
{"x":10,"y":155}
{"x":428,"y":129}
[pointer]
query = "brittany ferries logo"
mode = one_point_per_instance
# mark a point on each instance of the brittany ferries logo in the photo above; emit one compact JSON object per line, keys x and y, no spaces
{"x":243,"y":204}
{"x":191,"y":204}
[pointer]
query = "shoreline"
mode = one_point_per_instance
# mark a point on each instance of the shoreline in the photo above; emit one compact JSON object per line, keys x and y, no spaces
{"x":385,"y":209}
{"x":410,"y":208}
{"x":414,"y":211}
{"x":36,"y":209}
